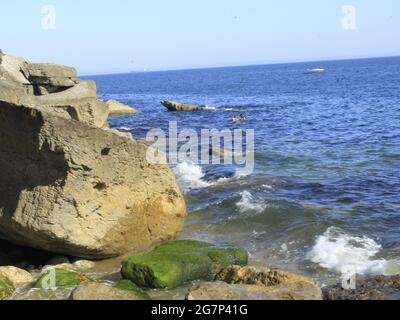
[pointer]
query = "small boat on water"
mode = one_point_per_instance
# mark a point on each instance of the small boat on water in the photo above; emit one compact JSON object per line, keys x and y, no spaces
{"x":314,"y":70}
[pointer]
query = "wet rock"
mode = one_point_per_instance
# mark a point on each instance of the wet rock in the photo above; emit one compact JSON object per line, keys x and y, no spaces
{"x":6,"y":288}
{"x":300,"y":290}
{"x":117,"y":108}
{"x":261,"y":276}
{"x":17,"y":276}
{"x":175,"y":263}
{"x":367,"y":288}
{"x":60,"y":278}
{"x":99,"y":291}
{"x":81,"y":191}
{"x":176,"y":106}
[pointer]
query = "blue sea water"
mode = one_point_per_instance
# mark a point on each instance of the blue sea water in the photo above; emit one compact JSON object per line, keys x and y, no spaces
{"x":324,"y":198}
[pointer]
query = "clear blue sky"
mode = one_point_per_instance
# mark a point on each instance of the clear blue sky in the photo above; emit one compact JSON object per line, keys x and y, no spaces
{"x":100,"y":36}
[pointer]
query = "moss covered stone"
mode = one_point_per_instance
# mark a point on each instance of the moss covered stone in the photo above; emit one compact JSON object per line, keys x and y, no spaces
{"x":6,"y":288}
{"x":59,"y":278}
{"x":128,"y":285}
{"x":175,"y":263}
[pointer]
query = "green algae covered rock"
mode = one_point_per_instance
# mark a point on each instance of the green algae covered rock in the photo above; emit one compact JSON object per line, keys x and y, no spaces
{"x":127,"y":285}
{"x":175,"y":263}
{"x":60,"y":278}
{"x":6,"y":288}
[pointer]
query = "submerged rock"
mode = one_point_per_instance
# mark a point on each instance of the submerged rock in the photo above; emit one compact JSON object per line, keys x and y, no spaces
{"x":60,"y":278}
{"x":17,"y":276}
{"x":300,"y":290}
{"x":258,"y":276}
{"x":117,"y":108}
{"x":176,"y":106}
{"x":175,"y":263}
{"x":367,"y":288}
{"x":81,"y":191}
{"x":6,"y":288}
{"x":100,"y":291}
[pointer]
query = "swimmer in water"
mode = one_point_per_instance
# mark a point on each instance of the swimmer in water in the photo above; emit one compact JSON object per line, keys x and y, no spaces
{"x":234,"y":119}
{"x":243,"y":117}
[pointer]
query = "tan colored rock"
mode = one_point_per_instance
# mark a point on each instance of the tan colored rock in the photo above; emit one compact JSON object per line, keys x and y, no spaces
{"x":14,"y":68}
{"x":117,"y":108}
{"x":123,"y":134}
{"x":176,"y":106}
{"x":258,"y":276}
{"x":103,"y":292}
{"x":301,"y":290}
{"x":82,"y":191}
{"x":17,"y":276}
{"x":49,"y":70}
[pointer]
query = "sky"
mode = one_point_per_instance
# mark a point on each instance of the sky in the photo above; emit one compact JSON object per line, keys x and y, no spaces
{"x":103,"y":36}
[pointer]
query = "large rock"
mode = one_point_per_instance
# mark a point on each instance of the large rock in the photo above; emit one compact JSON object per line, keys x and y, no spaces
{"x":176,"y":106}
{"x":175,"y":263}
{"x":74,"y":189}
{"x":301,"y":290}
{"x":51,"y":88}
{"x":117,"y":108}
{"x":256,"y":283}
{"x":50,"y":70}
{"x":13,"y":68}
{"x":51,"y":78}
{"x":367,"y":288}
{"x":17,"y":276}
{"x":261,"y":276}
{"x":103,"y":292}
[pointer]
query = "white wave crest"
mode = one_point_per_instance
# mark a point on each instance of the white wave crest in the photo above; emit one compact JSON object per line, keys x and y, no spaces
{"x":189,"y":176}
{"x":248,"y":203}
{"x":348,"y":255}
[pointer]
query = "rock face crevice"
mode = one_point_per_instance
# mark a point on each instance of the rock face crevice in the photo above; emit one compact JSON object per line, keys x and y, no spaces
{"x":70,"y":186}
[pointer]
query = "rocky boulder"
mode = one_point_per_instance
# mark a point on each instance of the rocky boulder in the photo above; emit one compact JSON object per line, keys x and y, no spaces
{"x":103,"y":292}
{"x":261,"y":276}
{"x":175,"y":263}
{"x":224,"y":291}
{"x":50,"y":78}
{"x":256,"y":283}
{"x":52,"y":88}
{"x":117,"y":108}
{"x":367,"y":288}
{"x":176,"y":106}
{"x":17,"y":276}
{"x":78,"y":190}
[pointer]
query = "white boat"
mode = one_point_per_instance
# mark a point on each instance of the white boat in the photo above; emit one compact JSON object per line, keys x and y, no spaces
{"x":314,"y":70}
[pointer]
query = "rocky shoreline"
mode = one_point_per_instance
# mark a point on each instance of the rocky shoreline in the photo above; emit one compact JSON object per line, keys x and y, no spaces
{"x":84,"y":216}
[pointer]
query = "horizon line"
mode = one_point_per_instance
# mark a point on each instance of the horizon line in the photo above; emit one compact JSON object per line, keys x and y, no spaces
{"x":240,"y":65}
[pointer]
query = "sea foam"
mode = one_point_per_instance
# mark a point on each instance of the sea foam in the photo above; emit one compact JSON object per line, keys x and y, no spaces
{"x":345,"y":254}
{"x":248,"y":203}
{"x":190,"y":176}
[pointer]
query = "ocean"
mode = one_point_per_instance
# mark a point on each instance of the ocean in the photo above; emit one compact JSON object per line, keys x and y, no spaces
{"x":323,"y":199}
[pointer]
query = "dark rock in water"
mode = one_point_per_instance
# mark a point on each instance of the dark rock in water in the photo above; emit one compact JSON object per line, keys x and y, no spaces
{"x":367,"y":288}
{"x":176,"y":106}
{"x":176,"y":263}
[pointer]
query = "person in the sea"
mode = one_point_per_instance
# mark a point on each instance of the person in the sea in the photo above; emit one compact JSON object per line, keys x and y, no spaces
{"x":235,"y":119}
{"x":243,"y":117}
